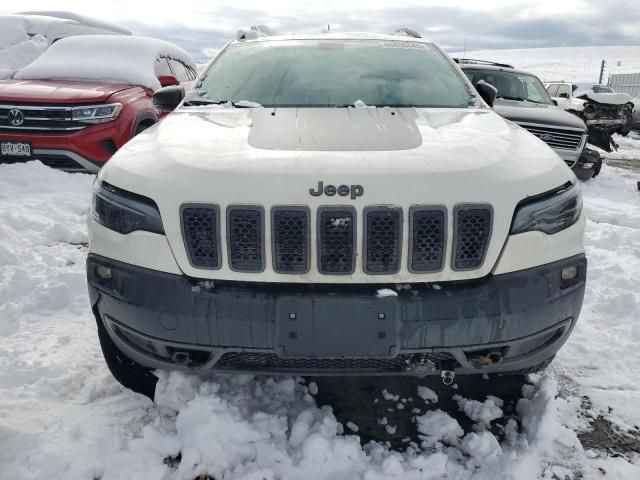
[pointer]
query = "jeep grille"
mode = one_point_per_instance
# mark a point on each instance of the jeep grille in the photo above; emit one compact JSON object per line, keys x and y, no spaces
{"x":382,"y":244}
{"x":471,"y":235}
{"x":244,"y":239}
{"x":427,"y":231}
{"x":290,"y":232}
{"x":200,"y":227}
{"x":336,"y":239}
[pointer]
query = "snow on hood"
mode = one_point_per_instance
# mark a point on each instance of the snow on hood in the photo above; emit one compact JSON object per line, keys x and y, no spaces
{"x":104,"y":58}
{"x":17,"y":49}
{"x":60,"y":16}
{"x":607,"y":98}
{"x":11,"y":32}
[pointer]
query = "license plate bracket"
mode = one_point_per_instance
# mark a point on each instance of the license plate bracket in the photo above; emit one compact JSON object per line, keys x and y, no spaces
{"x":334,"y":327}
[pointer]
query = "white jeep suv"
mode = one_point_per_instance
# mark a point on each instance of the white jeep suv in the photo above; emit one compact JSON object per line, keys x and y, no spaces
{"x":339,"y":204}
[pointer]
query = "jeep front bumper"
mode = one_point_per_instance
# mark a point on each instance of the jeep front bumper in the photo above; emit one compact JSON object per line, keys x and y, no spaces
{"x":163,"y":320}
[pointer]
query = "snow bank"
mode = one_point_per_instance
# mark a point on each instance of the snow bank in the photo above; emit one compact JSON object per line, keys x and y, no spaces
{"x":483,"y":413}
{"x":104,"y":58}
{"x":17,"y":49}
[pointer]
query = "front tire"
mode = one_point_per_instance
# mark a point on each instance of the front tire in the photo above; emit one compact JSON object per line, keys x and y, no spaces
{"x":128,"y":373}
{"x":143,"y":126}
{"x":583,"y":174}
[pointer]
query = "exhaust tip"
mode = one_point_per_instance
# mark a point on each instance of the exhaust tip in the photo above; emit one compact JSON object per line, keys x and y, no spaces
{"x":180,"y":358}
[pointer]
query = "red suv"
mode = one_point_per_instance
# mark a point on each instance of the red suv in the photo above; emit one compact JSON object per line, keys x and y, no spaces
{"x":74,"y":106}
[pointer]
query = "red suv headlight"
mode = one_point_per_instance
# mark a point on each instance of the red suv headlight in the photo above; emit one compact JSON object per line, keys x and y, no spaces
{"x":96,"y":113}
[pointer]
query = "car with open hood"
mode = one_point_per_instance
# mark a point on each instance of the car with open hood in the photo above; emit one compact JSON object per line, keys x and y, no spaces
{"x":337,"y":204}
{"x":604,"y":111}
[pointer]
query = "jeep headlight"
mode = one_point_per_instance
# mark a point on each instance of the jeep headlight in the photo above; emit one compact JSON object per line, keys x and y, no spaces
{"x":549,"y":214}
{"x":125,"y":212}
{"x":96,"y":113}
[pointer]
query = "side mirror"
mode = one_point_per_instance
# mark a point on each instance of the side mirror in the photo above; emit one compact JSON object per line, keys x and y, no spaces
{"x":168,"y":80}
{"x":555,"y":102}
{"x":487,"y":91}
{"x":168,"y":98}
{"x":563,"y":95}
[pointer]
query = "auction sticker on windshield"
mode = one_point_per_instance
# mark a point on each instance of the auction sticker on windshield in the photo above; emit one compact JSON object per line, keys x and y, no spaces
{"x":15,"y":149}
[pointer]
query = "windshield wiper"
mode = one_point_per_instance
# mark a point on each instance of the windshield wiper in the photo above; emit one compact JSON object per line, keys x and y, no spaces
{"x":535,"y":101}
{"x":240,"y":104}
{"x":513,"y":98}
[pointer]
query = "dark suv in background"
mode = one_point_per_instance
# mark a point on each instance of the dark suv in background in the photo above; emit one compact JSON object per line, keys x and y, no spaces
{"x":523,"y":99}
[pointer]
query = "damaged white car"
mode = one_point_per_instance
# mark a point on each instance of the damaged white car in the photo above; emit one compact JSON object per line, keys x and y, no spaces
{"x":604,"y":111}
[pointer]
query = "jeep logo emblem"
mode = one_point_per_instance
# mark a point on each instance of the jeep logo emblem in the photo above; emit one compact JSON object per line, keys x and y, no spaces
{"x":353,"y":191}
{"x":15,"y":117}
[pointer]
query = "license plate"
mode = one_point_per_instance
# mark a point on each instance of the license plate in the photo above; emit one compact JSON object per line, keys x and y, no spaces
{"x":15,"y":149}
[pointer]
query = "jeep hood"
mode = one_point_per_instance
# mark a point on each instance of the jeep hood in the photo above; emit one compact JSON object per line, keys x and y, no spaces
{"x":527,"y":112}
{"x":607,"y":98}
{"x":400,"y":157}
{"x":45,"y":91}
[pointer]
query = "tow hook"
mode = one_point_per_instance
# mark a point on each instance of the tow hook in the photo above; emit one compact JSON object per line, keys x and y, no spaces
{"x":447,"y":377}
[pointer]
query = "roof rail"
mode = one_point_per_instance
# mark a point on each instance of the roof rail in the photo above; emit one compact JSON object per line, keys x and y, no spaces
{"x":254,"y":32}
{"x":473,"y":61}
{"x":407,"y":32}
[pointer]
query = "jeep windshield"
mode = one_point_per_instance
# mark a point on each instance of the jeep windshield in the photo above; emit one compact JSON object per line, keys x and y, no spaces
{"x":512,"y":85}
{"x":332,"y":73}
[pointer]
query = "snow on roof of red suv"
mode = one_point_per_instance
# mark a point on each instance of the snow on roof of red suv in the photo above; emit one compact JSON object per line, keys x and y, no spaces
{"x":104,"y":58}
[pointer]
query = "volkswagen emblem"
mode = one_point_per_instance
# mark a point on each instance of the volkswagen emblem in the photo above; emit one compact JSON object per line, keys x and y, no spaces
{"x":16,"y":117}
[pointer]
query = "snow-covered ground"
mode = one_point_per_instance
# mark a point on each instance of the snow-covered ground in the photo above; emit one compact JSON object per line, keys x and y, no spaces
{"x":572,"y":64}
{"x":62,"y":415}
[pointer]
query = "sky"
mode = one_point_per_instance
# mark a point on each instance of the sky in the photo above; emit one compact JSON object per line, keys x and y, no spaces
{"x":202,"y":27}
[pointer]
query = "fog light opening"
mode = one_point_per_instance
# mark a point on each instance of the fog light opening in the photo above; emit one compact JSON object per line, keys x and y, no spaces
{"x":104,"y":273}
{"x":569,"y":273}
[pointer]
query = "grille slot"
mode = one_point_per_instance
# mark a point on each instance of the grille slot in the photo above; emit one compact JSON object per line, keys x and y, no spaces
{"x":37,"y":117}
{"x":336,"y":240}
{"x":245,"y":234}
{"x":383,"y":239}
{"x":556,"y":137}
{"x":200,"y":228}
{"x":471,"y":237}
{"x":427,"y":229}
{"x":266,"y":361}
{"x":290,"y":239}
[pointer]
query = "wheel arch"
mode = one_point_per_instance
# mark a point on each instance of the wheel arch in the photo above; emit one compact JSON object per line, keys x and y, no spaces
{"x":144,"y":118}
